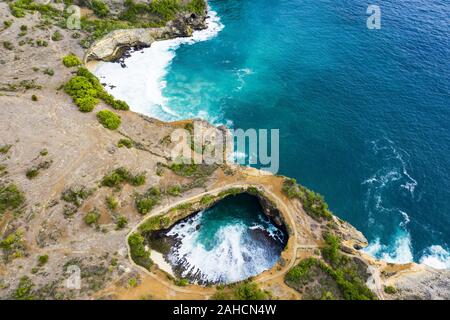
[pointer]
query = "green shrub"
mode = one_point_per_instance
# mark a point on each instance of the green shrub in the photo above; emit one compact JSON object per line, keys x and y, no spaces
{"x":34,"y":98}
{"x":207,"y":200}
{"x":24,"y":289}
{"x":109,"y":119}
{"x":132,"y":282}
{"x":346,"y":280}
{"x":145,"y":202}
{"x":43,"y":259}
{"x":11,"y":198}
{"x":49,"y":72}
{"x":174,"y":190}
{"x":41,"y":43}
{"x":390,"y":290}
{"x":8,"y":45}
{"x":137,"y":250}
{"x":5,"y":148}
{"x":181,"y":282}
{"x":313,"y":203}
{"x":122,"y":175}
{"x":7,"y":23}
{"x":57,"y":36}
{"x":301,"y":273}
{"x":112,"y":203}
{"x":76,"y":195}
{"x":23,"y":28}
{"x":13,"y":246}
{"x":79,"y":87}
{"x":249,"y":291}
{"x":331,"y":251}
{"x":197,"y":6}
{"x":43,"y":152}
{"x":100,"y":9}
{"x":92,"y":217}
{"x":125,"y":143}
{"x":86,"y":104}
{"x":71,"y":60}
{"x":119,"y":105}
{"x":32,"y":173}
{"x":121,"y":222}
{"x":154,"y":223}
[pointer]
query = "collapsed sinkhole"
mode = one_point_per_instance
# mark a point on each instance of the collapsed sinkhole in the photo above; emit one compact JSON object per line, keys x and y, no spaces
{"x":238,"y":237}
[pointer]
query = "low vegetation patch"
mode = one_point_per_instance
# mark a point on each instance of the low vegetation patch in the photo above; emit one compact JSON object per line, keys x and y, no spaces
{"x":145,"y":202}
{"x":121,"y":222}
{"x":192,"y":169}
{"x":11,"y":198}
{"x":125,"y":143}
{"x":71,"y":60}
{"x":390,"y":290}
{"x":109,"y":119}
{"x":5,"y":148}
{"x":13,"y":246}
{"x":24,"y":290}
{"x":34,"y":171}
{"x":313,"y":203}
{"x":112,"y":203}
{"x":57,"y":36}
{"x":154,"y":223}
{"x":174,"y":190}
{"x":76,"y":195}
{"x":42,"y":260}
{"x":245,"y":290}
{"x":121,"y":175}
{"x":338,"y":277}
{"x":86,"y":90}
{"x":92,"y":218}
{"x":137,"y":250}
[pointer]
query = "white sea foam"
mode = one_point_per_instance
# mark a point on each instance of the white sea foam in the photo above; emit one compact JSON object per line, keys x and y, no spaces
{"x":437,"y":257}
{"x":233,"y":257}
{"x":398,"y":252}
{"x":141,"y":83}
{"x":389,"y":179}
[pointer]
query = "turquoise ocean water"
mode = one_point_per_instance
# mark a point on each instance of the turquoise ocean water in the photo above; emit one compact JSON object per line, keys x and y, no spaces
{"x":364,"y":115}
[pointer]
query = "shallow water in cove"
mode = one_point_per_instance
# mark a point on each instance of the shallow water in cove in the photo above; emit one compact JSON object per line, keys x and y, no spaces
{"x":363,"y":114}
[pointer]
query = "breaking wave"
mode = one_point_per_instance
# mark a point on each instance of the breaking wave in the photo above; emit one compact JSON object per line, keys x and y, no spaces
{"x":394,"y":243}
{"x":145,"y":72}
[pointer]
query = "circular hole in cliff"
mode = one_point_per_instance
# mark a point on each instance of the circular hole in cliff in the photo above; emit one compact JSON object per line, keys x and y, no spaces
{"x":238,"y":237}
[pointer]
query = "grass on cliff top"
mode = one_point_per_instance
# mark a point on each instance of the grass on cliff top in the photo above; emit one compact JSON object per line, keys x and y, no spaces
{"x":13,"y":246}
{"x":137,"y":250}
{"x":119,"y":176}
{"x":109,"y":119}
{"x":86,"y":90}
{"x":313,"y":203}
{"x":136,"y":15}
{"x":336,"y":277}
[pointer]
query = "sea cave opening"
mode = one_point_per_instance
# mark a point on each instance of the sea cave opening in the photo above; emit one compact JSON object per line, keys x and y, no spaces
{"x":236,"y":238}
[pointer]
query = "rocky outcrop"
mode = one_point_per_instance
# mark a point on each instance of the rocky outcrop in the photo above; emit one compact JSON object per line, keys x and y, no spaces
{"x":116,"y":42}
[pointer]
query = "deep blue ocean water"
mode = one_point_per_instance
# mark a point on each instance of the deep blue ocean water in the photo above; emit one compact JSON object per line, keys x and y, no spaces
{"x":364,"y":115}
